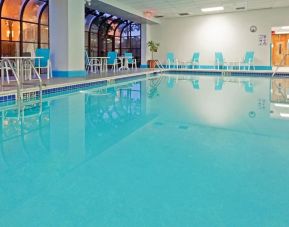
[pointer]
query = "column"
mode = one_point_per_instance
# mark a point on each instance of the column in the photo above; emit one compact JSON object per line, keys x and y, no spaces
{"x":66,"y":32}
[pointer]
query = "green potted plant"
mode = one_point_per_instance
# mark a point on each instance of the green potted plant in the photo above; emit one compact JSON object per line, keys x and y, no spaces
{"x":153,"y":49}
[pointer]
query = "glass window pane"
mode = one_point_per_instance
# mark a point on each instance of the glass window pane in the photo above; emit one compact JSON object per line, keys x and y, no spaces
{"x":44,"y":34}
{"x":93,"y":40}
{"x":10,"y":30}
{"x":29,"y":48}
{"x":117,"y":42}
{"x":86,"y":38}
{"x":88,"y":20}
{"x":30,"y":32}
{"x":135,"y":42}
{"x":123,"y":51}
{"x":135,"y":29}
{"x":109,"y":43}
{"x":11,"y":9}
{"x":119,"y":28}
{"x":10,"y":48}
{"x":94,"y":27}
{"x":126,"y":31}
{"x":93,"y":52}
{"x":44,"y":17}
{"x":31,"y":11}
{"x":117,"y":51}
{"x":125,"y":42}
{"x":44,"y":45}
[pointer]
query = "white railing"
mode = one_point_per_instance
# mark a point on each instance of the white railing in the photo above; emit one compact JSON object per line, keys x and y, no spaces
{"x":17,"y":79}
{"x":160,"y":66}
{"x":281,"y":63}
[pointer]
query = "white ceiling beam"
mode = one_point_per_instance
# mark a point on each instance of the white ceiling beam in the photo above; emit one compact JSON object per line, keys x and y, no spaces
{"x":125,"y":10}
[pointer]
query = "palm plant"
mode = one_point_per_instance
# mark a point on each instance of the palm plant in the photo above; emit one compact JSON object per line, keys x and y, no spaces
{"x":153,"y":47}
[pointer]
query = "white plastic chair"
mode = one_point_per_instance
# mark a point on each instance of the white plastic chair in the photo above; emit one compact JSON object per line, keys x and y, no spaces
{"x":92,"y":64}
{"x":5,"y":70}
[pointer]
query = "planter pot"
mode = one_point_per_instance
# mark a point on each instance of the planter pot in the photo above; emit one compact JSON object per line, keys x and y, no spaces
{"x":152,"y":63}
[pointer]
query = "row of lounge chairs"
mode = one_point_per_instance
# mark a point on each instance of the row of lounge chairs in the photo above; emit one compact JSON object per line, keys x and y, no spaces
{"x":247,"y":63}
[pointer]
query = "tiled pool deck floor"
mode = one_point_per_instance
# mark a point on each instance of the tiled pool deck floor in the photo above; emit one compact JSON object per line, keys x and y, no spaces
{"x":91,"y":77}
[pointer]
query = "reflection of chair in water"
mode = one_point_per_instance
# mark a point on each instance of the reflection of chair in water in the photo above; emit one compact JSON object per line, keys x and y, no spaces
{"x":25,"y":127}
{"x":106,"y":111}
{"x":249,"y":87}
{"x":171,"y":82}
{"x":195,"y":84}
{"x":219,"y":84}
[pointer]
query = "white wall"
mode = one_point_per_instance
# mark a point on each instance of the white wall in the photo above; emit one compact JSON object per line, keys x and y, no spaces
{"x":228,"y":33}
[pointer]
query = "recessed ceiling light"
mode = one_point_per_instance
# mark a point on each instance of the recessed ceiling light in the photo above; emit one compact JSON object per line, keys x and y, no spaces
{"x":212,"y":9}
{"x":285,"y":27}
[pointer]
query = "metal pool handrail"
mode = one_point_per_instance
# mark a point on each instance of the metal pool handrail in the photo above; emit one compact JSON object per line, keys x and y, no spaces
{"x":281,"y":63}
{"x":160,"y":65}
{"x":16,"y":78}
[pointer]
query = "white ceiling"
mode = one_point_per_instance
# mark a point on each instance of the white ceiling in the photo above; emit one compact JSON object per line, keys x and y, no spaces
{"x":171,"y":8}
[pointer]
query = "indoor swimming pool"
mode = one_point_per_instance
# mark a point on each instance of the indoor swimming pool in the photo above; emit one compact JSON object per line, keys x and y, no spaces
{"x":162,"y":151}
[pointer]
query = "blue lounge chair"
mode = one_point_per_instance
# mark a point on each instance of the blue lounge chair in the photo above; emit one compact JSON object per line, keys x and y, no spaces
{"x":112,"y":60}
{"x":219,"y":60}
{"x":44,"y":62}
{"x":195,"y":60}
{"x":171,"y":60}
{"x":248,"y":61}
{"x":130,"y":60}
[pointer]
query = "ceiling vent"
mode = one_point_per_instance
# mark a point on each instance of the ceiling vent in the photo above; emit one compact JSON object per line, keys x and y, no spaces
{"x":184,"y":14}
{"x":241,"y":8}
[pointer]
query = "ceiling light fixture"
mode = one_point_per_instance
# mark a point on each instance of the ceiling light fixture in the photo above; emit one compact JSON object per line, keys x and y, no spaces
{"x":212,"y":9}
{"x":149,"y":14}
{"x":285,"y":27}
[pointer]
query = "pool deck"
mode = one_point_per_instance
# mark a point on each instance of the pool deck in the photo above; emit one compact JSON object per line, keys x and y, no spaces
{"x":98,"y":77}
{"x":91,"y":77}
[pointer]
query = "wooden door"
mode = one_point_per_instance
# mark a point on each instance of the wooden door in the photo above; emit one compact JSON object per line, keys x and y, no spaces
{"x":280,"y":48}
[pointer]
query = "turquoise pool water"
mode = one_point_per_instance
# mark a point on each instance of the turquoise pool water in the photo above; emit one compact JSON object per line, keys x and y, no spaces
{"x":164,"y":152}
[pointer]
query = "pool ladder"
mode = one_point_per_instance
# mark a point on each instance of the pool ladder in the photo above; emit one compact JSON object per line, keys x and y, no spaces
{"x":160,"y":66}
{"x":20,"y":82}
{"x":281,"y":63}
{"x":38,"y":78}
{"x":7,"y":64}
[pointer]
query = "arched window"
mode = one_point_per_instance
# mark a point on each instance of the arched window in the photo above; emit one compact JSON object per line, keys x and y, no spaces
{"x":10,"y":26}
{"x":105,"y":32}
{"x":43,"y":23}
{"x":117,"y":35}
{"x":24,"y":26}
{"x":131,"y":40}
